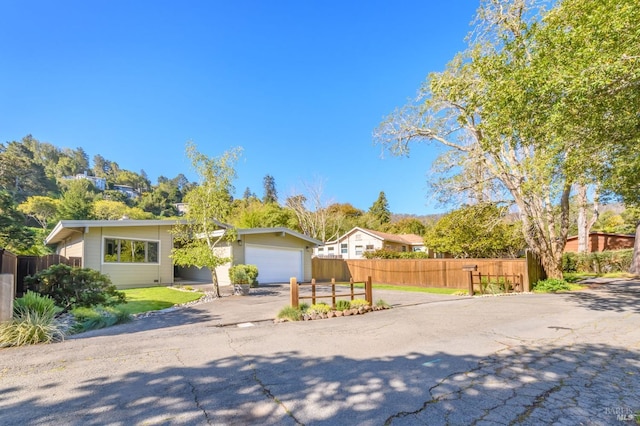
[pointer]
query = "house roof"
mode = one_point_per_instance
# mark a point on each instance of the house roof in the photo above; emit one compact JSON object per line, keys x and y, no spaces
{"x":278,"y":230}
{"x":608,"y":234}
{"x":409,"y":239}
{"x":66,"y":228}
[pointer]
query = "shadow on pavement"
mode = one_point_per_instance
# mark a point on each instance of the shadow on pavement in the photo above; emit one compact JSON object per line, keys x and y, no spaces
{"x":618,"y":296}
{"x":526,"y":385}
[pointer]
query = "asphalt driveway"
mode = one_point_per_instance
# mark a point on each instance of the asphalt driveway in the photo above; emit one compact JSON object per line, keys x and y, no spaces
{"x":523,"y":359}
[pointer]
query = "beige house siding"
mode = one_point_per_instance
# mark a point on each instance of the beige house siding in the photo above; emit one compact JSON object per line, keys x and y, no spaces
{"x":276,"y":239}
{"x":72,"y":247}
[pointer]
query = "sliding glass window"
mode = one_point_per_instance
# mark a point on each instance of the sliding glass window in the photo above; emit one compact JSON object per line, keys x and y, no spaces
{"x":120,"y":250}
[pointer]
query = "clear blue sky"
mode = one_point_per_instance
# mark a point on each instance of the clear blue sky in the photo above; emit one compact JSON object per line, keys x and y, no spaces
{"x":300,"y":85}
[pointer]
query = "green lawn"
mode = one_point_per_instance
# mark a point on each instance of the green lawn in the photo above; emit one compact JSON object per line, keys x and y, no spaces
{"x":155,"y":298}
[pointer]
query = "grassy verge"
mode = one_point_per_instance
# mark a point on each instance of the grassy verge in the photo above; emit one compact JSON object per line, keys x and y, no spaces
{"x":433,"y":290}
{"x":155,"y":298}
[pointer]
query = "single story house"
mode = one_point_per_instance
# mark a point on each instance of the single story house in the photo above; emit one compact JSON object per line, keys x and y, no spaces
{"x":358,"y":240}
{"x":601,"y":241}
{"x":136,"y":253}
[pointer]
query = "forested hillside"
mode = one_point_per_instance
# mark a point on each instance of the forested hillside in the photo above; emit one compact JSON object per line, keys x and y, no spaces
{"x":41,"y":183}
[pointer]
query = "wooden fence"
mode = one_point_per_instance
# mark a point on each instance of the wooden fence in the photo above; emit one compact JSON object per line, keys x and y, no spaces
{"x":30,"y":265}
{"x":449,"y":273}
{"x":294,"y":292}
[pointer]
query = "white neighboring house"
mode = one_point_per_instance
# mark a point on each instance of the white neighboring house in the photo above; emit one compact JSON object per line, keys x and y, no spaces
{"x":354,"y":243}
{"x":98,"y":182}
{"x":127,"y":190}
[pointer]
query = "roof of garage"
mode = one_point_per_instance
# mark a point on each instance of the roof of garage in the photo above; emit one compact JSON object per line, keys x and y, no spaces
{"x":277,"y":231}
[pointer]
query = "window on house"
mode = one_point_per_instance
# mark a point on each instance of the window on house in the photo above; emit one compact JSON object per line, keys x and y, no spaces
{"x":369,"y":247}
{"x":320,"y":249}
{"x":358,"y":237}
{"x":358,"y":250}
{"x":119,"y":250}
{"x":404,"y":248}
{"x":331,"y":249}
{"x":343,"y":248}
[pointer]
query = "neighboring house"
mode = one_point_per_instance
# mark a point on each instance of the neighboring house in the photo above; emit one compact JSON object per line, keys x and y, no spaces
{"x":127,"y":190}
{"x":601,"y":241}
{"x":99,"y":183}
{"x":354,"y":243}
{"x":136,"y":253}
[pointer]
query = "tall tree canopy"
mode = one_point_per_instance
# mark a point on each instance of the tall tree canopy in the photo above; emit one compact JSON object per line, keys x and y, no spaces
{"x":198,"y":239}
{"x":270,"y":193}
{"x":538,"y":103}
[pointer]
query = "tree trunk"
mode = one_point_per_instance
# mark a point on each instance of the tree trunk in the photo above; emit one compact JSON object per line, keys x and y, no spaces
{"x":214,"y":279}
{"x":635,"y":261}
{"x":584,"y":223}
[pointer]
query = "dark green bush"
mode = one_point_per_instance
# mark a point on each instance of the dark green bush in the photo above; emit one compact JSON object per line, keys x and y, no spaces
{"x":390,"y":254}
{"x":551,"y":285}
{"x":75,"y":287}
{"x":599,"y":262}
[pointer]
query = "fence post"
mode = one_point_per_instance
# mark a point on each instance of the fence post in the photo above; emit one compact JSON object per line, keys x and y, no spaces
{"x":293,"y":286}
{"x":368,"y":291}
{"x":351,"y":285}
{"x":6,"y":297}
{"x":333,"y":293}
{"x":313,"y":291}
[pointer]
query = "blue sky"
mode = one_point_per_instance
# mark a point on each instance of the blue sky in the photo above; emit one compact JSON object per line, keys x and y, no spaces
{"x":300,"y":85}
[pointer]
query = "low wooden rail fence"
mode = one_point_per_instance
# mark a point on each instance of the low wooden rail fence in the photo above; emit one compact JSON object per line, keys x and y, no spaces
{"x":295,"y":292}
{"x":503,"y":283}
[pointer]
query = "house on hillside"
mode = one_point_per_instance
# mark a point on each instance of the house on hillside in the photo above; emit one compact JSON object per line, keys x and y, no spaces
{"x":354,"y":243}
{"x":98,"y":182}
{"x":601,"y":241}
{"x":136,"y":253}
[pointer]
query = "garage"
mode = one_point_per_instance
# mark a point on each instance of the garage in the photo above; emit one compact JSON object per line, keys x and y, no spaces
{"x":275,"y":264}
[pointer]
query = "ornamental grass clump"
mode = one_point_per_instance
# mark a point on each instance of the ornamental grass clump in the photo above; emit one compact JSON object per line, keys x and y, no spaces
{"x":34,"y":321}
{"x":341,"y":305}
{"x":290,"y":313}
{"x":318,"y":309}
{"x":95,"y":318}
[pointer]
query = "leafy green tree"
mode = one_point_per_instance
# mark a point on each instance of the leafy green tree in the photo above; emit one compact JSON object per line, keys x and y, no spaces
{"x":14,"y":236}
{"x":532,"y":108}
{"x":477,"y":231}
{"x":115,"y":210}
{"x":407,"y":225}
{"x":270,"y":193}
{"x":77,"y":200}
{"x":41,"y":209}
{"x":380,"y":209}
{"x":255,"y":214}
{"x":20,"y":174}
{"x":198,"y":239}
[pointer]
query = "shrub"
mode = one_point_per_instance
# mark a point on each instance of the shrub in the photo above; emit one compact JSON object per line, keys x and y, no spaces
{"x":341,"y":305}
{"x":290,"y":313}
{"x":33,"y":322}
{"x":36,"y":303}
{"x":95,"y":318}
{"x":357,"y":303}
{"x":75,"y":287}
{"x":319,"y":308}
{"x":382,"y":304}
{"x":495,"y":285}
{"x":244,"y":274}
{"x":598,"y":262}
{"x":390,"y":254}
{"x":303,"y":307}
{"x":551,"y":285}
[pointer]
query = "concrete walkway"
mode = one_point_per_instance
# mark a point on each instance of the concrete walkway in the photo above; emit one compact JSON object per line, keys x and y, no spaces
{"x":532,"y":359}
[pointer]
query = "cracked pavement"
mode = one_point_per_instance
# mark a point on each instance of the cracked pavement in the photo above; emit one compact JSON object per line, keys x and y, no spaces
{"x":530,"y":359}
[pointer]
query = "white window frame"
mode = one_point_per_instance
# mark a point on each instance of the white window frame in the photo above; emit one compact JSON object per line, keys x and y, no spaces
{"x":143,"y":240}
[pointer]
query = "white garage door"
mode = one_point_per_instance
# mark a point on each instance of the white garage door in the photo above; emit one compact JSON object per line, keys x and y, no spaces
{"x":275,"y":264}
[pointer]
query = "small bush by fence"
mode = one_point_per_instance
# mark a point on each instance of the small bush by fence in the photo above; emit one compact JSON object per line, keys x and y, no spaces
{"x":598,"y":262}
